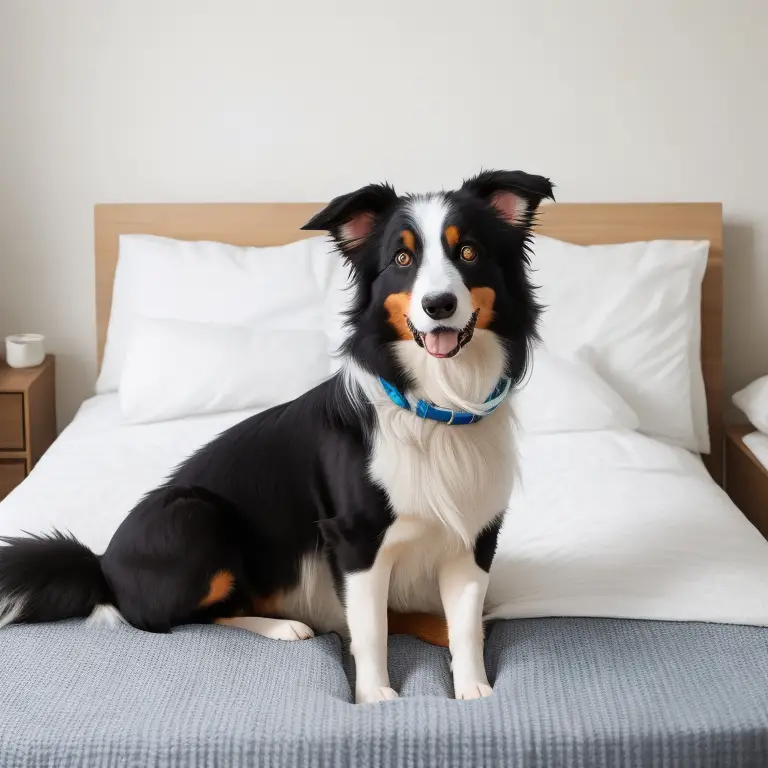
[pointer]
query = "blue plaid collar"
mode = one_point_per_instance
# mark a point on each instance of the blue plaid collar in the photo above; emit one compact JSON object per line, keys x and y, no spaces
{"x":425,"y":410}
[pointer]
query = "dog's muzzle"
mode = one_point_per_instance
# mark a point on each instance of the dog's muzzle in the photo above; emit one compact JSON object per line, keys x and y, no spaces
{"x":444,"y":342}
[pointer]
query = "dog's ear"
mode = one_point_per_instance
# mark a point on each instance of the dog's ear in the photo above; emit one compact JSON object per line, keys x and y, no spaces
{"x":351,"y":218}
{"x":514,"y":194}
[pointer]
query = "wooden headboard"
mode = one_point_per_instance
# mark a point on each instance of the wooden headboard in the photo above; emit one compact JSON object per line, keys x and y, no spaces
{"x":582,"y":223}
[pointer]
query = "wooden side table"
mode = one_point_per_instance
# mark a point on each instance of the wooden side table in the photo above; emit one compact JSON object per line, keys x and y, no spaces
{"x":746,"y":479}
{"x":27,"y":419}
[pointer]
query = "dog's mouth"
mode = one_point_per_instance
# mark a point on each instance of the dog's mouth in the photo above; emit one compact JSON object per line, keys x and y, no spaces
{"x":444,"y":342}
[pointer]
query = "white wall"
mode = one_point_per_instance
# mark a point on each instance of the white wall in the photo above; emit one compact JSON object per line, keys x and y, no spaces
{"x":223,"y":100}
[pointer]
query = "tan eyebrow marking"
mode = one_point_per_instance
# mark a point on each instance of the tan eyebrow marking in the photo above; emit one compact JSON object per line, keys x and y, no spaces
{"x":452,"y":235}
{"x":409,"y":240}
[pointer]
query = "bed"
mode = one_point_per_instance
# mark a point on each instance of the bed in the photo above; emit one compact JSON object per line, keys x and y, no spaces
{"x":602,"y":657}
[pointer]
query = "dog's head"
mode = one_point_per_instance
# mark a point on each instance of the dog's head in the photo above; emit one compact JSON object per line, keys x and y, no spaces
{"x":437,"y":271}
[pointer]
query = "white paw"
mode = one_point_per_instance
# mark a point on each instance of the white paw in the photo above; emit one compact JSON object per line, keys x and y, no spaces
{"x":375,"y":694}
{"x":275,"y":629}
{"x":290,"y":630}
{"x":473,"y":691}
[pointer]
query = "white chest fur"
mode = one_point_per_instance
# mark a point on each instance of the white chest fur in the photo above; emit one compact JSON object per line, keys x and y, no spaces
{"x":445,"y":483}
{"x":445,"y":488}
{"x":457,"y":476}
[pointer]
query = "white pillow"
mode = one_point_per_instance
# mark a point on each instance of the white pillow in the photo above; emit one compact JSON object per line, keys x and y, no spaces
{"x":282,"y":288}
{"x":175,"y":368}
{"x":567,"y":395}
{"x":637,"y":307}
{"x":753,"y":401}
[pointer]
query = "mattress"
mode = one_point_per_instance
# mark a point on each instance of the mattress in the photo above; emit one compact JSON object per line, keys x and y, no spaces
{"x":601,"y":523}
{"x":568,"y":690}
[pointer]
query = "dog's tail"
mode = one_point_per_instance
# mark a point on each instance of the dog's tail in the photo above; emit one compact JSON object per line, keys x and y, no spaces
{"x":47,"y":578}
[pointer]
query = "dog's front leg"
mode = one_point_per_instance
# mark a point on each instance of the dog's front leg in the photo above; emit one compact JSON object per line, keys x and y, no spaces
{"x":463,"y":584}
{"x":365,"y":597}
{"x":366,"y":567}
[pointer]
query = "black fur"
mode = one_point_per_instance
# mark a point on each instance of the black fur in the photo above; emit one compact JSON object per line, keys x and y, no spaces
{"x":58,"y":577}
{"x":293,"y":479}
{"x":268,"y":481}
{"x":485,"y":546}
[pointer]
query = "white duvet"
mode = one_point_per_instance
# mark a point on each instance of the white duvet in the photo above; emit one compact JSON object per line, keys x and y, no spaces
{"x":607,"y":523}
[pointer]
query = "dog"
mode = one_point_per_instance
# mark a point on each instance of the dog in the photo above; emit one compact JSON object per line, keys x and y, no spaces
{"x":382,"y":488}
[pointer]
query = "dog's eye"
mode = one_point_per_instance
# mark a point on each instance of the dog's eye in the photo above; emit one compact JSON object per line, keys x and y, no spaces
{"x":403,"y":259}
{"x":468,"y":253}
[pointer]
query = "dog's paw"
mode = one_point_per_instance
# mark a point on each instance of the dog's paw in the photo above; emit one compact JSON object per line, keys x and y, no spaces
{"x":473,"y":691}
{"x":375,"y":694}
{"x":290,"y":630}
{"x":275,"y":629}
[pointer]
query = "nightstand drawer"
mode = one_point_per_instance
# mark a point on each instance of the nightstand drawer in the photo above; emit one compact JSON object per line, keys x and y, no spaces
{"x":12,"y":472}
{"x":11,"y":422}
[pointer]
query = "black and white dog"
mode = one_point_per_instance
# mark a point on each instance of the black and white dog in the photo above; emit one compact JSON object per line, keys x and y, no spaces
{"x":383,"y":487}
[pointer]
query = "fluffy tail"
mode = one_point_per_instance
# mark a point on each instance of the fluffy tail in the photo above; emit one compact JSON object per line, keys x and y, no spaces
{"x":47,"y":578}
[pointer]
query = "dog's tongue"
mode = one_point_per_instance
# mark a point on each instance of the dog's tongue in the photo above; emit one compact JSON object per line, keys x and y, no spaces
{"x":441,"y":343}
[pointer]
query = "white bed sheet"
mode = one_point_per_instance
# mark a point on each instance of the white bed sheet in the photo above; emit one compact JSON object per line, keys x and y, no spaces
{"x":618,"y":524}
{"x":601,"y":524}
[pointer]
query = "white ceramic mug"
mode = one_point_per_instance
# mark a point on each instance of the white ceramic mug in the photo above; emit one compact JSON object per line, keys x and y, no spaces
{"x":24,"y":350}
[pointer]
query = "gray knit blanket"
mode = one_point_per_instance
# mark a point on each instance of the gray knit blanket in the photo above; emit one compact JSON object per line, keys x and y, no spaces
{"x":567,"y":692}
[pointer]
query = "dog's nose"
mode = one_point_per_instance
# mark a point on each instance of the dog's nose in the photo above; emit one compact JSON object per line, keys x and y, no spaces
{"x":439,"y":306}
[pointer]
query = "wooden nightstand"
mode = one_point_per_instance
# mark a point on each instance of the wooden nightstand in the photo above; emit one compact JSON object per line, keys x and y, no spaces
{"x":746,"y":479}
{"x":27,"y":419}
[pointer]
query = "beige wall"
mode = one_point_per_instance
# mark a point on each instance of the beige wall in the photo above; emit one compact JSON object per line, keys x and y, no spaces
{"x":210,"y":100}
